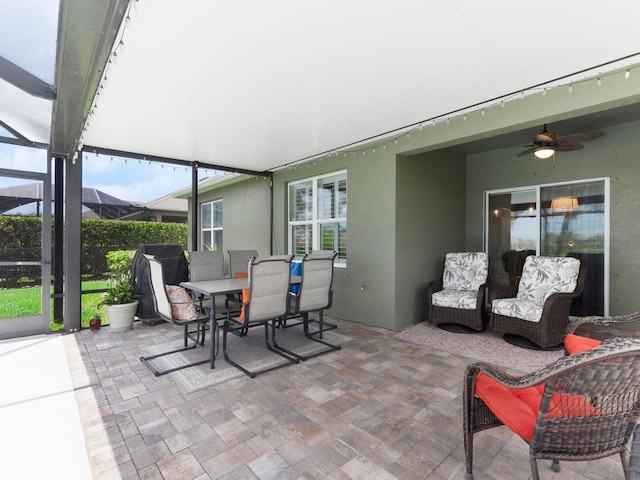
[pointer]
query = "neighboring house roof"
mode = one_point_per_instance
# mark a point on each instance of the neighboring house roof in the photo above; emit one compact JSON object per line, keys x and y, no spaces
{"x":168,"y":203}
{"x":101,"y":203}
{"x":212,"y":183}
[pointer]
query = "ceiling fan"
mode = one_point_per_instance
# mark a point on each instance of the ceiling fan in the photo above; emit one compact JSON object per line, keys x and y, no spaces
{"x":547,"y":143}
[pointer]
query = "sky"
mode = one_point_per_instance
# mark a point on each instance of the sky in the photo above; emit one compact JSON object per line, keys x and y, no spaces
{"x":127,"y":179}
{"x":28,"y":31}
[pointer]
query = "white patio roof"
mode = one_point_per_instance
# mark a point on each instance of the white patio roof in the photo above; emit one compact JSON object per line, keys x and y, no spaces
{"x":258,"y":85}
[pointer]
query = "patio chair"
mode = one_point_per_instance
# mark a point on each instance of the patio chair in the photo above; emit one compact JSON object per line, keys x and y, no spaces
{"x":238,"y":267}
{"x":537,"y":313}
{"x":456,"y":303}
{"x":173,"y":304}
{"x":605,"y":327}
{"x":239,"y":261}
{"x":581,"y":407}
{"x":207,"y":265}
{"x":264,"y":303}
{"x":314,"y":295}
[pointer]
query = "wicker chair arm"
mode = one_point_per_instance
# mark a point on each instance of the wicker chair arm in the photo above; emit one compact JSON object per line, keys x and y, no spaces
{"x":599,"y":320}
{"x":609,"y":347}
{"x":503,"y":292}
{"x":557,"y":304}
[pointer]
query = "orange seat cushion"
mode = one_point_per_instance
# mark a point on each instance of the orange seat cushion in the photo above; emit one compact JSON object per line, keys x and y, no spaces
{"x":517,"y":408}
{"x":242,"y":275}
{"x":578,"y":343}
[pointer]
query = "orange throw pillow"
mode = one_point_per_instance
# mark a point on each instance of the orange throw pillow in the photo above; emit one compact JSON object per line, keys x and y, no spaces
{"x":578,"y":343}
{"x":242,"y":275}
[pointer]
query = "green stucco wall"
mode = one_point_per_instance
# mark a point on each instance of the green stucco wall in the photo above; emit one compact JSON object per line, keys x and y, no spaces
{"x":414,"y":197}
{"x":365,"y":289}
{"x":615,"y":155}
{"x":246,"y":215}
{"x":430,"y":221}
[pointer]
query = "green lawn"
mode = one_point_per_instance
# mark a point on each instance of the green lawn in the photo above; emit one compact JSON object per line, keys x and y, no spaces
{"x":20,"y":302}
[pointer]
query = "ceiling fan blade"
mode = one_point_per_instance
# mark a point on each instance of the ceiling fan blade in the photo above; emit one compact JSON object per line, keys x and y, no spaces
{"x":569,"y":147}
{"x":580,"y":137}
{"x":544,"y":137}
{"x":527,"y":151}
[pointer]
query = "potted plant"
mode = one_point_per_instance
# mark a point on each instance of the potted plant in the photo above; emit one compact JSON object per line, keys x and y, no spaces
{"x":120,"y":302}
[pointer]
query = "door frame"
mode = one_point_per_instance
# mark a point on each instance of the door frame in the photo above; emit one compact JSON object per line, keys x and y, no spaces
{"x":606,"y":219}
{"x":34,"y":324}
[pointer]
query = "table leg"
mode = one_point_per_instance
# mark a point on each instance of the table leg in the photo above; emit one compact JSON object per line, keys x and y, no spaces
{"x":213,"y":328}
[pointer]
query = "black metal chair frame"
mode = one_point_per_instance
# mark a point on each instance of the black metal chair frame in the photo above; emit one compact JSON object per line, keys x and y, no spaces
{"x":262,"y":282}
{"x":163,"y":309}
{"x":311,"y":263}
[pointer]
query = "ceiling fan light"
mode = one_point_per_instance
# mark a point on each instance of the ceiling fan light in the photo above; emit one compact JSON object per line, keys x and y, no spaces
{"x":544,"y":152}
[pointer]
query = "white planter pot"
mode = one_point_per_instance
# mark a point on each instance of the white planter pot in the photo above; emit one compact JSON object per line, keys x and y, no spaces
{"x":121,"y":316}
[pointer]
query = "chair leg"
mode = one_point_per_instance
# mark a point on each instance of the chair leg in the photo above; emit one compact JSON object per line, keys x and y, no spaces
{"x":305,"y":323}
{"x":200,"y":334}
{"x":226,"y":330}
{"x":535,"y":475}
{"x":468,"y":435}
{"x":272,"y":346}
{"x":147,"y":359}
{"x":310,"y":336}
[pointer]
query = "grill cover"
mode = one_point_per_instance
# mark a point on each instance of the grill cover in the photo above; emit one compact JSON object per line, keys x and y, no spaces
{"x":174,"y":267}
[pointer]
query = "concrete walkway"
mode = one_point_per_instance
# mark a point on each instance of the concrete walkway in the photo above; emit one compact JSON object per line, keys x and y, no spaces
{"x":41,"y":430}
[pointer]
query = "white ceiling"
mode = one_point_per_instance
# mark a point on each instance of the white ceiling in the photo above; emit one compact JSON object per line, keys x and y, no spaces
{"x":258,"y":85}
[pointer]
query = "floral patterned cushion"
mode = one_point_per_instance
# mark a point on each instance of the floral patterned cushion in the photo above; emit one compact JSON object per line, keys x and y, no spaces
{"x":455,"y":299}
{"x":465,"y":271}
{"x":541,"y":277}
{"x":544,"y":276}
{"x":517,"y":308}
{"x":182,"y":307}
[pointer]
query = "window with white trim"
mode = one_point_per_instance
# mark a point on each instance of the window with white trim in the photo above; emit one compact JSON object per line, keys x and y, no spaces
{"x":318,"y":215}
{"x":211,"y":225}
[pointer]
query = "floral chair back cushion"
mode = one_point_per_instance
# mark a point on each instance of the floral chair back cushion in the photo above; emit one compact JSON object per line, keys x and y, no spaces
{"x":465,"y":271}
{"x":544,"y":276}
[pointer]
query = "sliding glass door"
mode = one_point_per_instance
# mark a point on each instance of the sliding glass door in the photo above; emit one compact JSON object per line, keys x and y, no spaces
{"x":568,"y":219}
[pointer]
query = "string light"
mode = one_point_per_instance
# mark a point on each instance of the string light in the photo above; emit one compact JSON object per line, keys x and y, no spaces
{"x":418,"y":126}
{"x":432,"y":122}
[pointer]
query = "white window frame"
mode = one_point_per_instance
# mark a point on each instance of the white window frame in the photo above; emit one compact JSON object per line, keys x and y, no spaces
{"x":213,"y":228}
{"x":314,"y":222}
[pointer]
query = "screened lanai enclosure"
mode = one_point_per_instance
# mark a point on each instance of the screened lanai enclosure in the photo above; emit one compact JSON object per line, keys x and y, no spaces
{"x":268,"y":88}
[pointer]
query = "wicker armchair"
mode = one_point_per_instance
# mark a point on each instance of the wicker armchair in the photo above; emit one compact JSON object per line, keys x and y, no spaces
{"x":538,"y":309}
{"x":581,"y":407}
{"x":600,"y":329}
{"x":458,"y":298}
